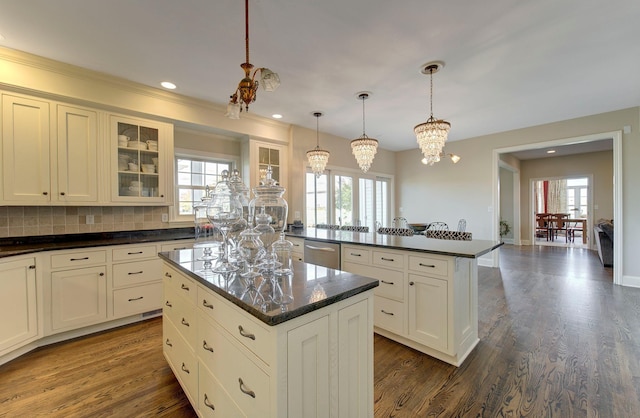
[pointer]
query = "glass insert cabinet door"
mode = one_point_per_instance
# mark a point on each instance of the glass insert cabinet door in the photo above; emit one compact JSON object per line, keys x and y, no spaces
{"x":269,"y":157}
{"x":139,"y":161}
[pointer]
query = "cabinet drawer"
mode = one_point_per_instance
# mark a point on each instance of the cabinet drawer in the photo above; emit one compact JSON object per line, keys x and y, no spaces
{"x":80,"y":258}
{"x":182,"y":285}
{"x":298,"y":244}
{"x":429,"y":265}
{"x":134,"y":253}
{"x":391,"y":284}
{"x":138,"y":299}
{"x":182,"y":360}
{"x":125,"y":274}
{"x":246,"y":383}
{"x":213,"y":400}
{"x":388,"y":259}
{"x":181,"y":312}
{"x":356,"y":255}
{"x":176,"y":246}
{"x":247,"y":331}
{"x":389,"y":314}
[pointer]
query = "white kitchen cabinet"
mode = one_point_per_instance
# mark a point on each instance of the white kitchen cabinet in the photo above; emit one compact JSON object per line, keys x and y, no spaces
{"x":50,"y":152}
{"x":18,"y":303}
{"x":425,"y":301}
{"x":262,"y":155}
{"x":141,"y":161}
{"x":297,"y":252}
{"x":78,"y":298}
{"x":25,"y":150}
{"x":318,"y":364}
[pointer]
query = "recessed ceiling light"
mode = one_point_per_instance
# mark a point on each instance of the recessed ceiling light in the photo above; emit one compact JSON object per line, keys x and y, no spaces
{"x":276,"y":116}
{"x":168,"y":85}
{"x":551,"y":151}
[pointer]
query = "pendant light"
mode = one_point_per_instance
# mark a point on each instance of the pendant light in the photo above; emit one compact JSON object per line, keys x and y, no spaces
{"x":432,"y":134}
{"x":318,"y":158}
{"x":364,"y":148}
{"x":248,"y":87}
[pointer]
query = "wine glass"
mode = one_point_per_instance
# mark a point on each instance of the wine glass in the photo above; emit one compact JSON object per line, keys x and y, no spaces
{"x":224,"y":211}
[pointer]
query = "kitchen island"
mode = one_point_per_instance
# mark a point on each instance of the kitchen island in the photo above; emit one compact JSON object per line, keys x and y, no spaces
{"x":428,"y":293}
{"x":310,"y":356}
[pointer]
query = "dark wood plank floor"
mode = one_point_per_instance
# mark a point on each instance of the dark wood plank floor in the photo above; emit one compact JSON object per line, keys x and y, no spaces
{"x":558,"y":339}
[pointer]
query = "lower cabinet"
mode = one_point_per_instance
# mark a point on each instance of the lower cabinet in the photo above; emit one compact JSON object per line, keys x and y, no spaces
{"x":318,"y":364}
{"x":426,"y":301}
{"x":78,"y":297}
{"x":18,"y":303}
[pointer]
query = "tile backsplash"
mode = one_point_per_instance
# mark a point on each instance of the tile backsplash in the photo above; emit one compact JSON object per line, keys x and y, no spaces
{"x":19,"y":221}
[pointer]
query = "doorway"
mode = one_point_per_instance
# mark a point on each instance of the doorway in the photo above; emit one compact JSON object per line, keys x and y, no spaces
{"x":561,"y":211}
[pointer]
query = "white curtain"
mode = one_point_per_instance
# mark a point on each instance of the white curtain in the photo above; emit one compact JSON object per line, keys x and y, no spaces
{"x":557,"y":196}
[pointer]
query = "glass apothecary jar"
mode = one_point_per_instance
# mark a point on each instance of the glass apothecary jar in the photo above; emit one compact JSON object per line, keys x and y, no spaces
{"x":268,"y":201}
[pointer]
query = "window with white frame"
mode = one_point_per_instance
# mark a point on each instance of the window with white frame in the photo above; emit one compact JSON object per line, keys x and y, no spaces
{"x":346,"y":198}
{"x":193,"y":174}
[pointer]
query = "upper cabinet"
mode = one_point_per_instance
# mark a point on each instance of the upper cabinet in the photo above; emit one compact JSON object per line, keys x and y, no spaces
{"x":265,"y":154}
{"x":59,"y":154}
{"x":49,"y":152}
{"x":141,"y":165}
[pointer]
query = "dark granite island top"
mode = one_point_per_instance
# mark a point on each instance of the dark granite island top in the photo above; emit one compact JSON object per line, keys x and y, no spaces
{"x":418,"y":243}
{"x":313,"y":287}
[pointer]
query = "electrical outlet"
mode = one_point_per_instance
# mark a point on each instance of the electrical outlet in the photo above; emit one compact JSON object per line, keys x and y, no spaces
{"x":89,"y":220}
{"x":165,"y":217}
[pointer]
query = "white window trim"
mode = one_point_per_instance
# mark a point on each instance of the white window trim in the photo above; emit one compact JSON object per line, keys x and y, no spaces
{"x":357,"y":174}
{"x":185,"y":220}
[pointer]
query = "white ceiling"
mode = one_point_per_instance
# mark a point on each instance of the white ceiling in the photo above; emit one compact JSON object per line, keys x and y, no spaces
{"x":508,"y":64}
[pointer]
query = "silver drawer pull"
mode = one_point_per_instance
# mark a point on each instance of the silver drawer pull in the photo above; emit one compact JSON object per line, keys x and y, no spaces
{"x":246,"y":391}
{"x":208,"y":404}
{"x":169,"y":343}
{"x":355,"y":254}
{"x":206,"y":304}
{"x":167,"y":303}
{"x":246,"y":334}
{"x":327,"y":249}
{"x":386,"y":313}
{"x":184,"y":368}
{"x":206,"y":346}
{"x":78,"y":259}
{"x":135,"y":272}
{"x":184,"y":322}
{"x":139,"y":298}
{"x":382,"y":281}
{"x":427,"y":265}
{"x":184,"y":287}
{"x":386,"y":259}
{"x":137,"y":252}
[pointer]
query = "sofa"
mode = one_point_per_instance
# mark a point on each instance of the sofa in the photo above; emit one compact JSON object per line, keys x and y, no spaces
{"x":603,"y":232}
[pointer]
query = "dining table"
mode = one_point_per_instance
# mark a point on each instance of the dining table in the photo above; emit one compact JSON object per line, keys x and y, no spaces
{"x":570,"y":225}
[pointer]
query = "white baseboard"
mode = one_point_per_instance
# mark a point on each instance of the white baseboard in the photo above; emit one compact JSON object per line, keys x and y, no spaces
{"x":508,"y":240}
{"x":630,"y":281}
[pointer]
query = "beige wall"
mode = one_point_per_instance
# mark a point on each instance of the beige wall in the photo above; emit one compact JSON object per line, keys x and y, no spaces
{"x":507,"y":200}
{"x":447,"y":192}
{"x":599,"y":165}
{"x":209,"y":143}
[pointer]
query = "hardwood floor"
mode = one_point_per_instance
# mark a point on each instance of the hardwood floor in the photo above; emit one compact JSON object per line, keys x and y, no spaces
{"x":558,"y":339}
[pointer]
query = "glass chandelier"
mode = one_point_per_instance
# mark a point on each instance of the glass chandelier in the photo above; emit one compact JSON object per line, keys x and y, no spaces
{"x":318,"y":158}
{"x":248,"y":86}
{"x":432,"y":134}
{"x":364,"y":148}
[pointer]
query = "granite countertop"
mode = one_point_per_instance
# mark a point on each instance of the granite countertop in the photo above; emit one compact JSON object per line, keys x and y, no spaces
{"x":418,"y":243}
{"x":27,"y":245}
{"x":312,"y":287}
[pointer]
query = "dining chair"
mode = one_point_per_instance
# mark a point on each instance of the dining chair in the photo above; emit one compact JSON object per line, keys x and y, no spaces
{"x":438,"y":226}
{"x":559,"y":225}
{"x":543,"y":225}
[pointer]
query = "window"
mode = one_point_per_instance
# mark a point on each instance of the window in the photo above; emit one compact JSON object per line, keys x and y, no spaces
{"x":344,"y":198}
{"x":193,"y":175}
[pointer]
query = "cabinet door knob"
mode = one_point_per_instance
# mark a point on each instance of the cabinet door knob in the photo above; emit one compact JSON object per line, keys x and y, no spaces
{"x":208,"y":404}
{"x":101,"y":274}
{"x":245,"y":391}
{"x":245,"y":333}
{"x":161,"y":195}
{"x":45,"y":193}
{"x":411,"y":283}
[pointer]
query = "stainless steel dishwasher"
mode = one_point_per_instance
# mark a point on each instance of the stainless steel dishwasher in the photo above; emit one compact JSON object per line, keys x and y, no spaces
{"x":320,"y":253}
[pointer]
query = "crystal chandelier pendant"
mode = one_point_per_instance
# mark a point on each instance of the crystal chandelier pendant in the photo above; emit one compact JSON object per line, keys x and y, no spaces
{"x":317,"y":157}
{"x":364,"y":148}
{"x":432,"y":134}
